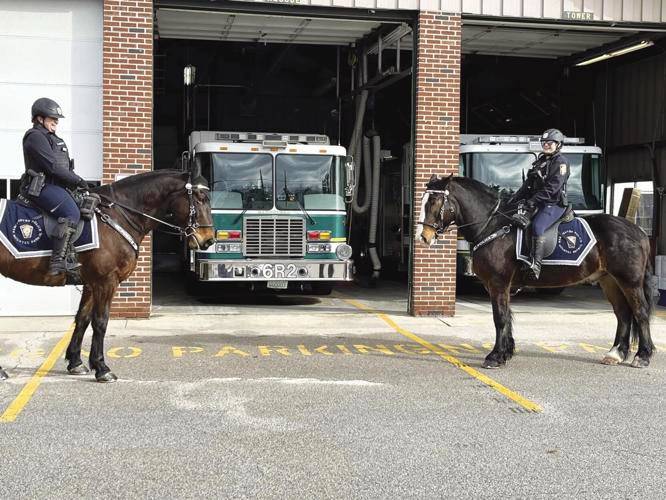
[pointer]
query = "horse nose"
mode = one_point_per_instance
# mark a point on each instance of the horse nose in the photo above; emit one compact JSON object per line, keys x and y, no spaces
{"x":208,"y":242}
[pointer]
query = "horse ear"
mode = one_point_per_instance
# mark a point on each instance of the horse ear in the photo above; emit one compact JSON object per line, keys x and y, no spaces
{"x":433,"y":178}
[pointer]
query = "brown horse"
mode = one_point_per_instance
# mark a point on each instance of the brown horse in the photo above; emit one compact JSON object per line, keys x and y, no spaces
{"x":619,"y":262}
{"x":135,"y":205}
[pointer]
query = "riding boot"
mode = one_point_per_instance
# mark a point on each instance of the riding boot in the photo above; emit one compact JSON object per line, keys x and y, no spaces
{"x":538,"y":247}
{"x":61,"y":259}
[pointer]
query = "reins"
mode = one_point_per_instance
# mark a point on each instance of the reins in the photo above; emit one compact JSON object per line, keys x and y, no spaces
{"x":187,"y":231}
{"x":504,"y":230}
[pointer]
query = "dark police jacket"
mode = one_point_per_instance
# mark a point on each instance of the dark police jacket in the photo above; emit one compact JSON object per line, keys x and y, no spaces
{"x":46,"y":152}
{"x":546,"y":182}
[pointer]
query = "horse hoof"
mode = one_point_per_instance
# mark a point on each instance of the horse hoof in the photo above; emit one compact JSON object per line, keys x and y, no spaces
{"x":492,"y":364}
{"x":106,"y":377}
{"x":78,"y":370}
{"x":639,"y":362}
{"x":613,"y":357}
{"x":3,"y":374}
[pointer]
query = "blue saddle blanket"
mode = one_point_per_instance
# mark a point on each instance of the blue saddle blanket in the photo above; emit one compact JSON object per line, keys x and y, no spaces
{"x":22,"y":232}
{"x":574,"y":241}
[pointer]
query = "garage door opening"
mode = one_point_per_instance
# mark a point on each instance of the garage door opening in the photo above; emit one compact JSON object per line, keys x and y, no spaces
{"x":519,"y":79}
{"x":291,"y":88}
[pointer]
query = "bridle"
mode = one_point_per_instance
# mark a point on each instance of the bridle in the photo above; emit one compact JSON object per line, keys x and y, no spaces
{"x":186,"y":231}
{"x":447,"y":206}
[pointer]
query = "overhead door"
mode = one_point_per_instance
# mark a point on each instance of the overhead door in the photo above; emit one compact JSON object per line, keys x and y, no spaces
{"x":50,"y":48}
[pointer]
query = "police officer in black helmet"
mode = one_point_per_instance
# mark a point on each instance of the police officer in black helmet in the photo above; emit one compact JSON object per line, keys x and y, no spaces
{"x":544,"y":194}
{"x":46,"y":153}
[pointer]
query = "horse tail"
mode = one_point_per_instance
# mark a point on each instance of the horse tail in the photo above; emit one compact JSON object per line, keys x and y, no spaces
{"x":648,"y":287}
{"x":648,"y":280}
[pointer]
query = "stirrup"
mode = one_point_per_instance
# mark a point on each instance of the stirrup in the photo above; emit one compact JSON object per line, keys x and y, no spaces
{"x":73,"y":277}
{"x":535,"y":269}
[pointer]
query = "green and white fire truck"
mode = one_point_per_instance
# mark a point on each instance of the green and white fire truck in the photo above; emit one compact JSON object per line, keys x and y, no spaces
{"x":280,"y":210}
{"x":501,"y":161}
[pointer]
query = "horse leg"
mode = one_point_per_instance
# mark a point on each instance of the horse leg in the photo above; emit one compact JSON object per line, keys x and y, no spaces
{"x":75,"y":365}
{"x":102,"y":296}
{"x":504,"y":343}
{"x":624,"y":315}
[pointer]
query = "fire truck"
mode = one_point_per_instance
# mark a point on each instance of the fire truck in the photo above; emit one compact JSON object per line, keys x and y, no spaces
{"x":501,"y":161}
{"x":280,"y":210}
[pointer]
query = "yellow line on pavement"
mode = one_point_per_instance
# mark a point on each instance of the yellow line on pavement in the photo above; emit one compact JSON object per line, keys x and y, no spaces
{"x":505,"y":391}
{"x":29,"y":389}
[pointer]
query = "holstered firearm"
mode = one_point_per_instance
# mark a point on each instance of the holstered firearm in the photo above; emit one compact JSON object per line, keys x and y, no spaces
{"x":36,"y":182}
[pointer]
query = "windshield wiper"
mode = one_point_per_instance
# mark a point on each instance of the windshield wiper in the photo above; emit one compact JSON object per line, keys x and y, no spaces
{"x":240,"y":216}
{"x":312,"y":221}
{"x":289,"y":196}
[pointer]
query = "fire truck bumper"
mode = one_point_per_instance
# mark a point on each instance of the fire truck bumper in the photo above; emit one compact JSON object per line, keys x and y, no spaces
{"x":263,"y":270}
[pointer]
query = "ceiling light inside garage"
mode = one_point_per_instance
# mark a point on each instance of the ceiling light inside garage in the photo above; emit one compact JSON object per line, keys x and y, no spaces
{"x":632,"y":48}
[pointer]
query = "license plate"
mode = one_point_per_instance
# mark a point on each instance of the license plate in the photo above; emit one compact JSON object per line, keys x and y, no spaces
{"x":277,"y":271}
{"x":278,"y":284}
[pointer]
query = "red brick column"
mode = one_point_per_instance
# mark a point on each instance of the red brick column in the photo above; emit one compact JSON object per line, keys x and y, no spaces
{"x":433,"y":280}
{"x":128,"y":108}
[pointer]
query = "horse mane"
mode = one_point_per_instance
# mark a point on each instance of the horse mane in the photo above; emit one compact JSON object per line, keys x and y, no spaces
{"x":479,"y":189}
{"x":139,"y":186}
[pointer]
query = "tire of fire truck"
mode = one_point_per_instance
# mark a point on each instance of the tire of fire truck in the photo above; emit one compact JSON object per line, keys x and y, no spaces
{"x":321,"y":288}
{"x":549,"y":291}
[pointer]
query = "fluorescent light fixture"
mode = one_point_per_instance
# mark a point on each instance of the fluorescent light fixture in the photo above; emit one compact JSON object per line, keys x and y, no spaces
{"x":641,"y":45}
{"x":189,"y":74}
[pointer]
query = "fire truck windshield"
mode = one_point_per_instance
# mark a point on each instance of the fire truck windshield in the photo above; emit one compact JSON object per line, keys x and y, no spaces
{"x":315,"y":182}
{"x":241,"y":181}
{"x":505,"y":171}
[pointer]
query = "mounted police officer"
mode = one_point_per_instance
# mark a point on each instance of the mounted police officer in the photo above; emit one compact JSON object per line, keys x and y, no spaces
{"x":544,"y":192}
{"x":51,"y":173}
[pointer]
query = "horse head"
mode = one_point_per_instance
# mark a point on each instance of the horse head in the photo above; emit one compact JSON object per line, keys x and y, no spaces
{"x":437,"y":212}
{"x":190,"y":210}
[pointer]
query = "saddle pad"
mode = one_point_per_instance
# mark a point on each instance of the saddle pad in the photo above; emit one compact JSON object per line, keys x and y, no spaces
{"x":574,"y":241}
{"x":22,"y":232}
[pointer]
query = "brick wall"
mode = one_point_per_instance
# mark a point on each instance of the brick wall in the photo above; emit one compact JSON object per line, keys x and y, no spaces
{"x":436,"y":152}
{"x":128,"y":108}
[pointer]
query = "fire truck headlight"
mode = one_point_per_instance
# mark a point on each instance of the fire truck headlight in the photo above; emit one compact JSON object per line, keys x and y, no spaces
{"x":343,"y":252}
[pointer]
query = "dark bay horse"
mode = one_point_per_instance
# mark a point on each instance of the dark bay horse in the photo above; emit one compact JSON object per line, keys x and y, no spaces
{"x":619,"y":262}
{"x":138,"y":204}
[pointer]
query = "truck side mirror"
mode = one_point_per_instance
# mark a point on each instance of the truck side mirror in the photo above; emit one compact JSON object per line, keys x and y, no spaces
{"x":184,"y":158}
{"x":350,"y":180}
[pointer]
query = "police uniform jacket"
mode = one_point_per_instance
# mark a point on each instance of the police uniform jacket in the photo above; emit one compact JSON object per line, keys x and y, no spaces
{"x":546,"y":181}
{"x":45,"y":152}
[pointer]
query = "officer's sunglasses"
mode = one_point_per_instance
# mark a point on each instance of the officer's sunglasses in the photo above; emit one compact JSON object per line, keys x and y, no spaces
{"x":548,"y":143}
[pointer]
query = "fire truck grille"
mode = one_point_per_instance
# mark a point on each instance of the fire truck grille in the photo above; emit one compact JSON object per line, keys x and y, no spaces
{"x":273,"y":237}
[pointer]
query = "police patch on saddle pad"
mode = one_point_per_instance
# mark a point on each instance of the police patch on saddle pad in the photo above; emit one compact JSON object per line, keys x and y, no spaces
{"x":574,"y":241}
{"x":22,"y":232}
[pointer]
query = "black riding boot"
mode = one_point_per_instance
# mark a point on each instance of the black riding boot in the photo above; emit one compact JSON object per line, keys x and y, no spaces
{"x":538,"y":244}
{"x":63,"y":258}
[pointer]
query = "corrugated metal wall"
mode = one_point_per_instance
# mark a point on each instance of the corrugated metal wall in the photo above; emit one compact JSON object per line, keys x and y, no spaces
{"x":635,"y":95}
{"x":652,"y":11}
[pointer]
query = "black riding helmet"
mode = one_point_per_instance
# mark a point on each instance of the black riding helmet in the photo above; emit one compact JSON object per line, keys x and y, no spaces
{"x":46,"y":107}
{"x":552,"y":134}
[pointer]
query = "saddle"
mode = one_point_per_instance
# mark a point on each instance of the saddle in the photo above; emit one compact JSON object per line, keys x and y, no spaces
{"x":50,"y":222}
{"x":551,"y":234}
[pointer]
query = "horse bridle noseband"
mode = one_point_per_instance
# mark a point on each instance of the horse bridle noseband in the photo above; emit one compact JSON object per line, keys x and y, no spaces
{"x":187,"y":231}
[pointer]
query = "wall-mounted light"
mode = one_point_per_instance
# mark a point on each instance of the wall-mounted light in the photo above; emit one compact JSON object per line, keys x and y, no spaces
{"x":643,"y":44}
{"x":189,"y":74}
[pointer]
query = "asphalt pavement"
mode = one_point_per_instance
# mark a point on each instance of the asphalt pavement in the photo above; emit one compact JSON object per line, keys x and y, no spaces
{"x":335,"y":397}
